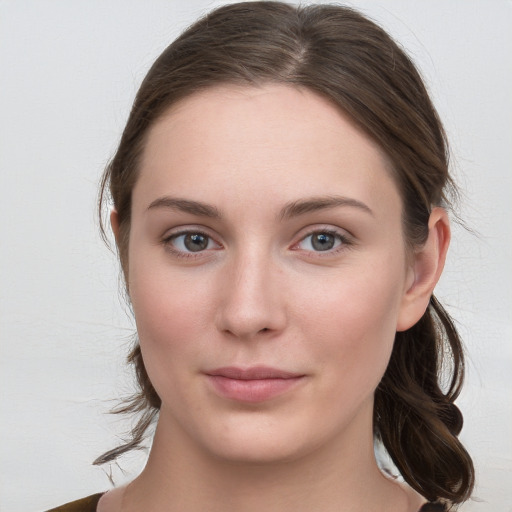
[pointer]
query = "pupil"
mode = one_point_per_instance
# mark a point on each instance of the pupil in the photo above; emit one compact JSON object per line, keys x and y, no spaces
{"x":196,"y":242}
{"x":323,"y":242}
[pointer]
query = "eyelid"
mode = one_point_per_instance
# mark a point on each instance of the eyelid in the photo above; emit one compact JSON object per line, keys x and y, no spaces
{"x":170,"y":235}
{"x":346,"y":238}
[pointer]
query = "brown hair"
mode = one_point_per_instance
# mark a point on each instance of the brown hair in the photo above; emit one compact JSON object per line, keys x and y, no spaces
{"x":343,"y":56}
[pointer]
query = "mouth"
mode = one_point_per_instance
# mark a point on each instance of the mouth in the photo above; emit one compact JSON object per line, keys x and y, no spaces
{"x":252,"y":385}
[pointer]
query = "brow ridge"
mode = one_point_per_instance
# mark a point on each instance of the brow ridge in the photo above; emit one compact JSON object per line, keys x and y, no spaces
{"x":290,"y":210}
{"x":187,"y":206}
{"x":308,"y":205}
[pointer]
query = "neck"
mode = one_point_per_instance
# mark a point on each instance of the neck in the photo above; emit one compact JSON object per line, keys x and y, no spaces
{"x":341,"y":475}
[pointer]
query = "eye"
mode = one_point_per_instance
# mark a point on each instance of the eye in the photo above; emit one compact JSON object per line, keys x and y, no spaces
{"x":322,"y":241}
{"x":190,"y":242}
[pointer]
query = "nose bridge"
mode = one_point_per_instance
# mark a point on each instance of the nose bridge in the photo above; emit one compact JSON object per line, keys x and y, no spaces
{"x":251,"y":302}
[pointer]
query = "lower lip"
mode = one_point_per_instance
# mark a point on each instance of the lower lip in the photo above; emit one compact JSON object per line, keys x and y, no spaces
{"x":254,"y":390}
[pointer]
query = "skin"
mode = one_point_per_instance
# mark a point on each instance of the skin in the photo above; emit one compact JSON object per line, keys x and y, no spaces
{"x":260,"y":293}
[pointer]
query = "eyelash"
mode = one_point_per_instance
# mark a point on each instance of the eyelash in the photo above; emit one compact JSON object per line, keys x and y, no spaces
{"x":168,"y":243}
{"x":344,"y":242}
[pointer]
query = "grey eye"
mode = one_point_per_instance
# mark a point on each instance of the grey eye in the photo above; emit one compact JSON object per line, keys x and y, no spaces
{"x":321,"y":241}
{"x":192,"y":242}
{"x":195,"y":242}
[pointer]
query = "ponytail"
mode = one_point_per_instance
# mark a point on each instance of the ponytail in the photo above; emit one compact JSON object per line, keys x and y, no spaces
{"x":416,"y":420}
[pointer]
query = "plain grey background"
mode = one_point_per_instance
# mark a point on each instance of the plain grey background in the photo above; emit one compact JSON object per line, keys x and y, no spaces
{"x":68,"y":74}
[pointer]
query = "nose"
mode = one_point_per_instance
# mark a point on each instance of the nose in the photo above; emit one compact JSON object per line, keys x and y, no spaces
{"x":252,"y":298}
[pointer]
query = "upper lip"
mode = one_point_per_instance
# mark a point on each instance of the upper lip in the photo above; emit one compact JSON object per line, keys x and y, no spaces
{"x":252,"y":373}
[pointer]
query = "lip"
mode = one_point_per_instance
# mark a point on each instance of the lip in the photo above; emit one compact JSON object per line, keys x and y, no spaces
{"x":252,"y":385}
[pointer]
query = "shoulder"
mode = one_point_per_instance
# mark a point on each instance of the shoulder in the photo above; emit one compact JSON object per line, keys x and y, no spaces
{"x":88,"y":504}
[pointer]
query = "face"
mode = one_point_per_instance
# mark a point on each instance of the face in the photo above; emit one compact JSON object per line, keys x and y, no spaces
{"x":267,"y":271}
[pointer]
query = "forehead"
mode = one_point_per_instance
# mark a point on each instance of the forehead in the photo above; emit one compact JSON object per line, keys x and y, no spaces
{"x":274,"y":140}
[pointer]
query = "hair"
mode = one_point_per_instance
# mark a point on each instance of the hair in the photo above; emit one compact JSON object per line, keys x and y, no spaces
{"x":343,"y":56}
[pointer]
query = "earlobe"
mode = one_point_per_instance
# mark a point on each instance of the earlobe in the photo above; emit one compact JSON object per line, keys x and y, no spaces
{"x":426,"y":270}
{"x":114,"y":223}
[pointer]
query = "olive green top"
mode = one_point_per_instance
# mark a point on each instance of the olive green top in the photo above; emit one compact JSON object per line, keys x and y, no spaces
{"x":90,"y":503}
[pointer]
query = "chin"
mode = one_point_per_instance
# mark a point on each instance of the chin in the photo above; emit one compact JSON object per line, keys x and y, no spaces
{"x":262,"y":440}
{"x":258,"y":452}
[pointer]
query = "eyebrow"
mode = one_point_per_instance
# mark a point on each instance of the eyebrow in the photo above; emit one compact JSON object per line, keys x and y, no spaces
{"x":187,"y":206}
{"x":290,"y":210}
{"x":313,"y":204}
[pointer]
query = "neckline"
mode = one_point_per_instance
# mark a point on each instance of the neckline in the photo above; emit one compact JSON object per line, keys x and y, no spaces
{"x":116,"y":495}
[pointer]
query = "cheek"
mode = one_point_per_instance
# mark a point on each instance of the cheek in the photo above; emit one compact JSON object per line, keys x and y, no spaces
{"x":167,"y":310}
{"x":171,"y":335}
{"x":171,"y":314}
{"x":352,"y":321}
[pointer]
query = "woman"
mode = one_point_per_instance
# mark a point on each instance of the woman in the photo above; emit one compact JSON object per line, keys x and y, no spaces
{"x":280,"y":195}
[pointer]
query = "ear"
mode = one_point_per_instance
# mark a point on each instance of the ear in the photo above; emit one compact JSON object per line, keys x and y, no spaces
{"x":425,"y":271}
{"x":114,"y":224}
